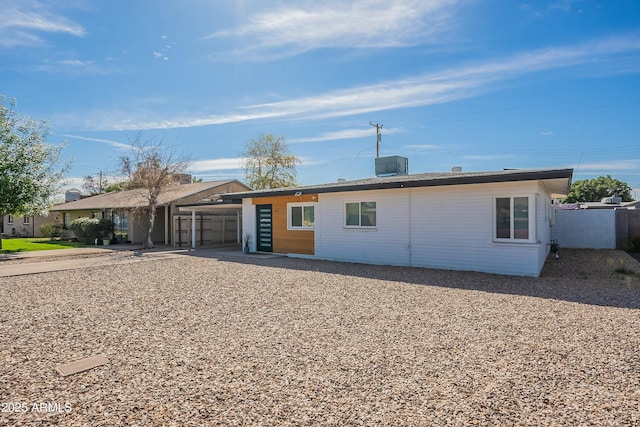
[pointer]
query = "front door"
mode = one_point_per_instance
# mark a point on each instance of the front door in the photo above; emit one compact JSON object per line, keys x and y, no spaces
{"x":264,"y":242}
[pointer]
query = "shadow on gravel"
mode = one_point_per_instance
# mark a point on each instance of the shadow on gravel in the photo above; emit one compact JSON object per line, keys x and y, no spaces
{"x":597,"y":277}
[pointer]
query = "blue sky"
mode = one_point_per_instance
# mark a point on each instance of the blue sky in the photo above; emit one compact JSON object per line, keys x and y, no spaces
{"x":482,"y":84}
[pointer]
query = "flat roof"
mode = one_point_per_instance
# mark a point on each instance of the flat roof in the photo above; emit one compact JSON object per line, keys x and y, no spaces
{"x":557,"y":180}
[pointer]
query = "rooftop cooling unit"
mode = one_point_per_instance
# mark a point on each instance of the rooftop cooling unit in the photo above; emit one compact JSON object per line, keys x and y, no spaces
{"x":611,"y":200}
{"x":392,"y":165}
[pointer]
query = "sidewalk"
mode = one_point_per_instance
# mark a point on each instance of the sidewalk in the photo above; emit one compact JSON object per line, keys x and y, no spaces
{"x":67,"y":259}
{"x":66,"y":252}
{"x":75,"y":258}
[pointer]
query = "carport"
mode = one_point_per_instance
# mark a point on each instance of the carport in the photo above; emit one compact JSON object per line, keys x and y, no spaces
{"x":208,"y":223}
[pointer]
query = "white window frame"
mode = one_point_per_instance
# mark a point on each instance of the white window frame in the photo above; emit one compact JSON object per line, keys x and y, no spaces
{"x":531,"y":205}
{"x":359,"y":226}
{"x":26,"y":220}
{"x":302,"y":205}
{"x":10,"y":219}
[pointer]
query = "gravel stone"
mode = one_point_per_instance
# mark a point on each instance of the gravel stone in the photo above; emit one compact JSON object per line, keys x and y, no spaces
{"x":210,"y":338}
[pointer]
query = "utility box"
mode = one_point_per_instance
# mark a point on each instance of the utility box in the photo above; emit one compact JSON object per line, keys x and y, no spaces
{"x":392,"y":165}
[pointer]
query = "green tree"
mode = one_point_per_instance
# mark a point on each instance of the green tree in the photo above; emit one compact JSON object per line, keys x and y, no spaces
{"x":594,"y":190}
{"x":268,"y":164}
{"x":115,"y":186}
{"x":31,"y":172}
{"x":151,"y":168}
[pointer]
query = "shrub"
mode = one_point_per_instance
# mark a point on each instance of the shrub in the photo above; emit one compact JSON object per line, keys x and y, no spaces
{"x":633,"y":245}
{"x":51,"y":230}
{"x":90,"y":229}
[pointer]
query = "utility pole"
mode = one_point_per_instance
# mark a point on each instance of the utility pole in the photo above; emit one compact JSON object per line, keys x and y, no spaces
{"x":378,"y":137}
{"x":100,"y":183}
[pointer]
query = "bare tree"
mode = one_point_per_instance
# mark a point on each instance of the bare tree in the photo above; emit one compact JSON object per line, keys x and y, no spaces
{"x":151,"y":168}
{"x":91,"y":185}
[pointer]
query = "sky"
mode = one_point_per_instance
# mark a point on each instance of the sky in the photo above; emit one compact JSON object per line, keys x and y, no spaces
{"x":480,"y":84}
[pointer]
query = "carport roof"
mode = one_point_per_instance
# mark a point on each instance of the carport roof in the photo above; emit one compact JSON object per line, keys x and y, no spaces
{"x":131,"y":199}
{"x":556,"y":180}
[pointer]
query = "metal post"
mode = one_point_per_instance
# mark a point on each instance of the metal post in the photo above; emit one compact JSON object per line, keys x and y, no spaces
{"x":238,"y":229}
{"x":193,"y":229}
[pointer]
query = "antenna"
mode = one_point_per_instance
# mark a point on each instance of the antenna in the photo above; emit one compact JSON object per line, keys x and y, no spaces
{"x":378,"y":137}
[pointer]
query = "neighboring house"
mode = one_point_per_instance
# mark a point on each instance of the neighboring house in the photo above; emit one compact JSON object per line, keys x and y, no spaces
{"x":495,"y":222}
{"x":128,"y":208}
{"x":25,"y":226}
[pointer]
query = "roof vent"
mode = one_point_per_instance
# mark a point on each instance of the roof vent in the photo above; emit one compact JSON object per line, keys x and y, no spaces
{"x":456,"y":169}
{"x":392,"y":165}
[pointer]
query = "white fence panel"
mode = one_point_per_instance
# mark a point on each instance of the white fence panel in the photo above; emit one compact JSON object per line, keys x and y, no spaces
{"x":585,"y":228}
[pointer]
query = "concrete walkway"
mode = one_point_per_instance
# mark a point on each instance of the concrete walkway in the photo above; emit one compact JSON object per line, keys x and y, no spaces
{"x":98,"y":256}
{"x":66,"y":252}
{"x":75,"y":258}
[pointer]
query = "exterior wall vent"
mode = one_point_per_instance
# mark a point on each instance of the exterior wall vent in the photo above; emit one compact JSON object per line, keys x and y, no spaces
{"x":392,"y":165}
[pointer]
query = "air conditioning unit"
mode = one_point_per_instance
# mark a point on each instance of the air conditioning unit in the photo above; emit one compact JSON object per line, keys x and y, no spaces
{"x":392,"y":165}
{"x":611,"y":200}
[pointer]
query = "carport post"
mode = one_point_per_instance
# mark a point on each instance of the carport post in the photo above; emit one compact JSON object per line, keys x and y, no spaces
{"x":238,"y":231}
{"x":193,"y":229}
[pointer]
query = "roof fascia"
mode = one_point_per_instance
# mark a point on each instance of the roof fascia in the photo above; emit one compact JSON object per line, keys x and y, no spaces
{"x":432,"y":182}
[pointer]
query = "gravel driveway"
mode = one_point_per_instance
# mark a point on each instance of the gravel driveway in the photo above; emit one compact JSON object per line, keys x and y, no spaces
{"x":231,"y":340}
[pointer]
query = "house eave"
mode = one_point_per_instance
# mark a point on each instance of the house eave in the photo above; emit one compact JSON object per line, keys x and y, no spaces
{"x":409,"y":181}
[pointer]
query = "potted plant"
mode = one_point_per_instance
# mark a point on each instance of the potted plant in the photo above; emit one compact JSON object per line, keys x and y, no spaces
{"x":106,"y":230}
{"x":246,"y":240}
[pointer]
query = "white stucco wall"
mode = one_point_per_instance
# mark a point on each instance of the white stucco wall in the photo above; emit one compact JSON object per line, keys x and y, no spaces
{"x":448,"y":227}
{"x":249,"y":222}
{"x":439,"y":227}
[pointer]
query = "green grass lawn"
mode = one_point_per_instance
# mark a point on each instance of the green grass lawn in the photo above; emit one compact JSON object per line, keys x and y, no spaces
{"x":36,"y":244}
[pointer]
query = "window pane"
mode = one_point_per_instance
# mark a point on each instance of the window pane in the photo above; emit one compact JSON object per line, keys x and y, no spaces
{"x":521,"y":217}
{"x":308,"y":216}
{"x":296,"y":216}
{"x":503,"y":218}
{"x":368,"y":217}
{"x":353,"y":213}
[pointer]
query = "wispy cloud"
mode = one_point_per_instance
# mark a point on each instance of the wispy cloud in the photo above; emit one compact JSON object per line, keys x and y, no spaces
{"x":216,"y":164}
{"x":610,"y":165}
{"x":420,"y":147}
{"x":423,"y":90}
{"x":73,"y":66}
{"x":488,"y":156}
{"x":162,"y":53}
{"x":541,"y":11}
{"x":343,"y":134}
{"x":105,"y":141}
{"x":546,"y":133}
{"x":232,"y":164}
{"x":23,"y":22}
{"x":288,"y":31}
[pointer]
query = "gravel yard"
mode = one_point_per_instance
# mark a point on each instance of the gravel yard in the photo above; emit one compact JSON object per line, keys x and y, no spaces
{"x":249,"y":340}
